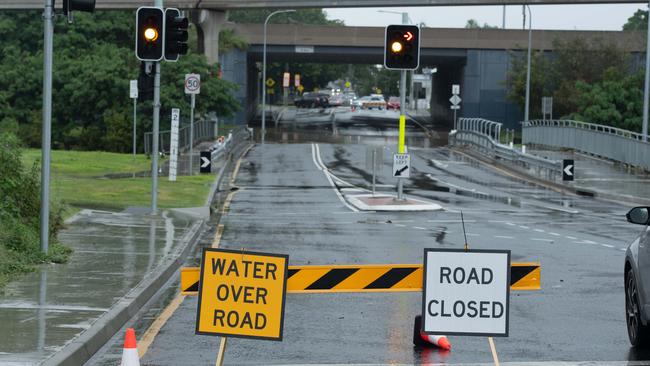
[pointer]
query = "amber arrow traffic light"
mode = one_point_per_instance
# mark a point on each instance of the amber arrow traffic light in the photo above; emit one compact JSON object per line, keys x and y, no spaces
{"x":402,"y":47}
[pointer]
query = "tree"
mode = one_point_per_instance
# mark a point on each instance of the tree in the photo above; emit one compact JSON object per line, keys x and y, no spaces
{"x":539,"y":82}
{"x":616,"y":100}
{"x":93,"y":63}
{"x":473,"y":24}
{"x":637,"y":22}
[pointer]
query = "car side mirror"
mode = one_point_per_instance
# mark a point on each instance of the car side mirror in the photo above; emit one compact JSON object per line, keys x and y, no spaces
{"x":639,"y":215}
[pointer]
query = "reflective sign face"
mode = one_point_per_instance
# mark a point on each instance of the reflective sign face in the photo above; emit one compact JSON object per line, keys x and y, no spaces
{"x":466,"y":293}
{"x":242,"y":294}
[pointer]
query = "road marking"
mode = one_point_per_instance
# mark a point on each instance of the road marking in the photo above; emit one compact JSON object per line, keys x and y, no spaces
{"x":151,"y":333}
{"x":419,"y":228}
{"x":314,"y":148}
{"x":510,"y":223}
{"x":504,"y":237}
{"x":400,"y":225}
{"x":607,"y":245}
{"x":623,"y":250}
{"x":554,"y":234}
{"x":539,"y":230}
{"x":524,"y":227}
{"x":471,"y":234}
{"x":544,"y":240}
{"x":571,"y":237}
{"x":451,"y":221}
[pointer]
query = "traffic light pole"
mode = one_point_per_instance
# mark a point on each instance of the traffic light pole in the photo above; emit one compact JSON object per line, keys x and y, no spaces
{"x":402,"y":128}
{"x":46,"y":138}
{"x":155,"y":148}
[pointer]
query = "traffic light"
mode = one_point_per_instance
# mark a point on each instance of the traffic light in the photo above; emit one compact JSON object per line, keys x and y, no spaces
{"x":175,"y":34}
{"x":149,"y":36}
{"x":402,"y":47}
{"x":80,"y":5}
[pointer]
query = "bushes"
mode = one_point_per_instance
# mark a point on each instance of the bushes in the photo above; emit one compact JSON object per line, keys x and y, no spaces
{"x":19,"y":215}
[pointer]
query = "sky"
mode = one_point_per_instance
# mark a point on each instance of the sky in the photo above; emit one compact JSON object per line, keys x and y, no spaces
{"x":571,"y":17}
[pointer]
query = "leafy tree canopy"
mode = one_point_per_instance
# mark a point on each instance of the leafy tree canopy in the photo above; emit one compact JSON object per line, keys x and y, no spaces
{"x":93,"y":63}
{"x":637,"y":22}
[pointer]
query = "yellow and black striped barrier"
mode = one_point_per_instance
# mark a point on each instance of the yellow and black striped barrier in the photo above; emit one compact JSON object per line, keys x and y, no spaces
{"x":366,"y":278}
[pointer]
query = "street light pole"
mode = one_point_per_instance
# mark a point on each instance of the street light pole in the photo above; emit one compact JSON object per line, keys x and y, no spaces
{"x":46,"y":138}
{"x":646,"y":91}
{"x":530,"y":36}
{"x":266,"y":22}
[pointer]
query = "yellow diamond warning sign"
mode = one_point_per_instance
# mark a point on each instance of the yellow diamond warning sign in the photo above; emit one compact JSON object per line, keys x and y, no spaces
{"x":242,"y":294}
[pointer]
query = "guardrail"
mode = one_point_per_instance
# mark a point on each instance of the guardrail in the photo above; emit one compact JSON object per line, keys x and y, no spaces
{"x":609,"y":142}
{"x":203,"y":130}
{"x":483,"y":135}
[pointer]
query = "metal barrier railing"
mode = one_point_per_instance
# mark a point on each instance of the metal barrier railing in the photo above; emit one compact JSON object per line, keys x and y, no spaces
{"x":483,"y":135}
{"x":481,"y":126}
{"x":203,"y":130}
{"x":609,"y":142}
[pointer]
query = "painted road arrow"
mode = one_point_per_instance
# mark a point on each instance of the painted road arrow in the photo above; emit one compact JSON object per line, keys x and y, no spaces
{"x":204,"y":162}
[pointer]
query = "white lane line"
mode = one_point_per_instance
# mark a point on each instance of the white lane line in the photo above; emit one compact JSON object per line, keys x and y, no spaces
{"x":510,"y":224}
{"x":471,"y":234}
{"x":329,"y":179}
{"x":607,"y":245}
{"x":419,"y":228}
{"x":544,"y":240}
{"x":524,"y":227}
{"x":451,"y":221}
{"x":585,"y":242}
{"x":539,"y":230}
{"x":400,"y":225}
{"x":589,"y":241}
{"x":623,"y":250}
{"x":554,"y":234}
{"x":504,"y":237}
{"x":571,"y":237}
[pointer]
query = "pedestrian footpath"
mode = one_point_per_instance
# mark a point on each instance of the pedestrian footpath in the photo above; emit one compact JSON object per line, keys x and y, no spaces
{"x":605,"y":178}
{"x":57,"y":308}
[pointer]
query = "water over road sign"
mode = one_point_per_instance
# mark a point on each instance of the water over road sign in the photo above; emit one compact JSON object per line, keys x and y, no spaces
{"x":466,"y":292}
{"x":242,"y":294}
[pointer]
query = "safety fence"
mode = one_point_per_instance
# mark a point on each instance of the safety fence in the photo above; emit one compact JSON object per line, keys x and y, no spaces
{"x":608,"y":142}
{"x":204,"y":130}
{"x":483,"y":135}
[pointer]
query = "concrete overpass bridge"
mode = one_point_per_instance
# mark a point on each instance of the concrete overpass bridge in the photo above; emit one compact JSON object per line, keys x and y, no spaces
{"x":477,"y":59}
{"x":296,"y":4}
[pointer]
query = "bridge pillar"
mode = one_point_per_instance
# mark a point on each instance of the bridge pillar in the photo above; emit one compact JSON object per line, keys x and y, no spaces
{"x":208,"y":25}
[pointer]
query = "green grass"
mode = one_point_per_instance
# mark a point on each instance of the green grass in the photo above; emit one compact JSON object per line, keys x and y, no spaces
{"x":89,"y":163}
{"x":78,"y":178}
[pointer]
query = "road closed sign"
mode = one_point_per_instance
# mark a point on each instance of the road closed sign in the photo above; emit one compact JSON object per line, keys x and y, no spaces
{"x":466,"y":292}
{"x":242,"y":294}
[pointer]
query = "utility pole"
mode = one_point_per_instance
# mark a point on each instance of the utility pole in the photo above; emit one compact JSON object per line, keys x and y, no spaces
{"x":156,"y":131}
{"x":402,"y":117}
{"x":646,"y":89}
{"x":46,"y":138}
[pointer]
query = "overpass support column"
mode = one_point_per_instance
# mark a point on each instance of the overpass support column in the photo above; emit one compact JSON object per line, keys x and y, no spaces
{"x":208,"y":25}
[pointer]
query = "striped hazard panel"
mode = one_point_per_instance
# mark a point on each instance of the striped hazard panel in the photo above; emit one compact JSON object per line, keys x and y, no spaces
{"x":366,"y":278}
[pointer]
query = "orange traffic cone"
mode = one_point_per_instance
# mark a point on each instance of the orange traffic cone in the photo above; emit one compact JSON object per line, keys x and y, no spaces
{"x":130,"y":352}
{"x":440,"y":341}
{"x":422,"y":339}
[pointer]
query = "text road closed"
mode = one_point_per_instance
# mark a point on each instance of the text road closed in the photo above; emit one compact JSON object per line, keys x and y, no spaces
{"x":466,"y":293}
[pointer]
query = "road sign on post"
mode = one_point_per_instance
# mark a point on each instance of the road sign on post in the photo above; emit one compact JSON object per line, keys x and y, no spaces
{"x":192,"y":84}
{"x":173,"y":145}
{"x":206,"y":162}
{"x":401,"y":165}
{"x":242,"y":294}
{"x":568,"y":168}
{"x":133,"y":89}
{"x":466,"y":292}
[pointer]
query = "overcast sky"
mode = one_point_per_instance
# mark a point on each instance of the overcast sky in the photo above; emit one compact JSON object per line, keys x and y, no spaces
{"x":579,"y":17}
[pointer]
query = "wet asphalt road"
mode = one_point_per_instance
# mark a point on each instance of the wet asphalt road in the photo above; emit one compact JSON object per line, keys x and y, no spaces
{"x":286,"y":205}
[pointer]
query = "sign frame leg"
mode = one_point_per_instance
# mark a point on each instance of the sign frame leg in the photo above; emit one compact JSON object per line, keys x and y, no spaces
{"x":222,"y":351}
{"x":495,"y":357}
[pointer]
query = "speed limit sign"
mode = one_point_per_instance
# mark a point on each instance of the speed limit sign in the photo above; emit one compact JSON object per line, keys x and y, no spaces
{"x":192,"y":83}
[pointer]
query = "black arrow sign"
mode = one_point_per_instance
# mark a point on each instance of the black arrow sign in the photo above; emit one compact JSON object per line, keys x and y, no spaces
{"x":400,"y":171}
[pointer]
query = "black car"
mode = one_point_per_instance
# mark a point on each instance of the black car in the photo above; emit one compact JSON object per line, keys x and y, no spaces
{"x":312,"y":100}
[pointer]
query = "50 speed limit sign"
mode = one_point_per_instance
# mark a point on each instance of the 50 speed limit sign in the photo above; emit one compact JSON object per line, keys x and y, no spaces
{"x":192,"y":83}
